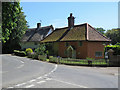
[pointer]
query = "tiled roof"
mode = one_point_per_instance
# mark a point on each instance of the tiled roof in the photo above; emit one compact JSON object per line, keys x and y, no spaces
{"x":36,"y":34}
{"x":94,"y":35}
{"x":77,"y":33}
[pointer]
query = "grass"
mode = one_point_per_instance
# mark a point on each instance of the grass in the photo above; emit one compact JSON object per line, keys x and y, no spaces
{"x":72,"y":61}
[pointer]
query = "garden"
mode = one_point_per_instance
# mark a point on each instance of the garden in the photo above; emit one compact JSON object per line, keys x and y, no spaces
{"x":43,"y":54}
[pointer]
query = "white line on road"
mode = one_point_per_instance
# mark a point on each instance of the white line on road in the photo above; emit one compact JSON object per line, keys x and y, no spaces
{"x":21,"y":66}
{"x":22,"y":62}
{"x":48,"y":78}
{"x":30,"y":86}
{"x":10,"y":87}
{"x":39,"y":77}
{"x":20,"y":84}
{"x":70,"y":83}
{"x":41,"y":82}
{"x":32,"y":80}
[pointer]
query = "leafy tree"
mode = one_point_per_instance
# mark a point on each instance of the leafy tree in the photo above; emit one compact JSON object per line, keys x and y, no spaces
{"x":14,"y":26}
{"x":101,"y":30}
{"x":114,"y":35}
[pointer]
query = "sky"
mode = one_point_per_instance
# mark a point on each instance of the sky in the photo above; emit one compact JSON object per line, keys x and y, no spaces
{"x":97,"y":14}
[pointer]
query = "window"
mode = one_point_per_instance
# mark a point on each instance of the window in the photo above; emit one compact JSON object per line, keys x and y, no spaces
{"x":66,"y":44}
{"x":79,"y":43}
{"x":98,"y":54}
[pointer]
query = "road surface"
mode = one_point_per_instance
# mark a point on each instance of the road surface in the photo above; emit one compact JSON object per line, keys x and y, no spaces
{"x":21,"y":72}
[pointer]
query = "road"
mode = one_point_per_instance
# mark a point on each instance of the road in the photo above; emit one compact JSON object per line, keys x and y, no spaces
{"x":21,"y":72}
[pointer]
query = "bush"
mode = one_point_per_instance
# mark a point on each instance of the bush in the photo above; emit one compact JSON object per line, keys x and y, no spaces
{"x":116,"y":48}
{"x":19,"y":53}
{"x":29,"y":51}
{"x":34,"y":55}
{"x":88,"y":58}
{"x":42,"y":57}
{"x":41,"y":49}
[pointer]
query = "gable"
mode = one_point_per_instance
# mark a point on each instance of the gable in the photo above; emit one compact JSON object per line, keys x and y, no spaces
{"x":94,"y":35}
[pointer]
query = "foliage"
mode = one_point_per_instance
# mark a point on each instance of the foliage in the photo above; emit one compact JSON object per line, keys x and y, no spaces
{"x":34,"y":55}
{"x":115,"y":47}
{"x":19,"y":53}
{"x":14,"y":26}
{"x":88,"y":58}
{"x":42,"y":57}
{"x":101,"y":30}
{"x":29,"y":51}
{"x":49,"y":48}
{"x":114,"y":35}
{"x":41,"y":50}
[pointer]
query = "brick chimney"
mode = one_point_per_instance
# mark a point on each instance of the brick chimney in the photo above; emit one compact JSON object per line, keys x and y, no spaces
{"x":71,"y":21}
{"x":38,"y":25}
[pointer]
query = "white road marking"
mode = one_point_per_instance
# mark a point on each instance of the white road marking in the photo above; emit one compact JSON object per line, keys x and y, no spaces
{"x":70,"y":83}
{"x":22,"y":62}
{"x":36,"y":78}
{"x":41,"y":82}
{"x":21,"y":66}
{"x":32,"y":80}
{"x":48,"y":78}
{"x":39,"y":77}
{"x":30,"y":86}
{"x":20,"y":84}
{"x":10,"y":87}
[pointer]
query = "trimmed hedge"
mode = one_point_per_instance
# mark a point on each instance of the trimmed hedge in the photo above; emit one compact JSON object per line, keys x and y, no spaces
{"x":19,"y":53}
{"x":116,"y":48}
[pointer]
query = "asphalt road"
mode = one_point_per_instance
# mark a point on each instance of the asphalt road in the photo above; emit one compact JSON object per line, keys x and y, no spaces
{"x":21,"y":72}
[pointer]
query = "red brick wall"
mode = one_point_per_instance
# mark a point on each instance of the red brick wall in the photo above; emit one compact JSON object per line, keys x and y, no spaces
{"x":81,"y":51}
{"x":93,"y":47}
{"x":87,"y":49}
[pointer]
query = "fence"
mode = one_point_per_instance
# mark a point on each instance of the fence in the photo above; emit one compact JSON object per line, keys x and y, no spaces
{"x":70,"y":61}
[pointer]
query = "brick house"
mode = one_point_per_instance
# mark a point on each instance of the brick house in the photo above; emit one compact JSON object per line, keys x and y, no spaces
{"x":77,"y":41}
{"x":33,"y":36}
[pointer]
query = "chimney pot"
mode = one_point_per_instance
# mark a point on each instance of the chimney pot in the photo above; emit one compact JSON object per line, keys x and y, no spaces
{"x":38,"y":25}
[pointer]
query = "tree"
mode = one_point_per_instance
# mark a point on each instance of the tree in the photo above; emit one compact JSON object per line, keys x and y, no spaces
{"x":101,"y":30}
{"x":114,"y":35}
{"x":14,"y":26}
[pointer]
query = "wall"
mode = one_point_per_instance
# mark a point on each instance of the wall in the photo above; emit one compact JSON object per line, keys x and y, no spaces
{"x":32,"y":45}
{"x":87,"y":49}
{"x":81,"y":51}
{"x":93,"y":47}
{"x":114,"y":60}
{"x":55,"y":48}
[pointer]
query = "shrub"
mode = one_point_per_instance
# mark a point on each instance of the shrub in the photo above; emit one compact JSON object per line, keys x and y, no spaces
{"x":41,"y":49}
{"x":116,"y":48}
{"x":88,"y":58}
{"x":29,"y":51}
{"x":34,"y":55}
{"x":19,"y":53}
{"x":42,"y":57}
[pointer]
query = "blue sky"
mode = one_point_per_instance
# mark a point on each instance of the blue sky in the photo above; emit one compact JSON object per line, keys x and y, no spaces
{"x":97,"y":14}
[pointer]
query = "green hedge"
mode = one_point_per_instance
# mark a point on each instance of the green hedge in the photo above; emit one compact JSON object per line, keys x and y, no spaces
{"x":42,"y":57}
{"x":19,"y":53}
{"x":116,"y":48}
